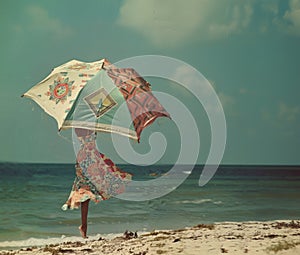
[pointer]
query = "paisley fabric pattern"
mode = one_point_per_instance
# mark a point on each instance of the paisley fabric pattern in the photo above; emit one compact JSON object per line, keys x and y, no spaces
{"x":97,"y":177}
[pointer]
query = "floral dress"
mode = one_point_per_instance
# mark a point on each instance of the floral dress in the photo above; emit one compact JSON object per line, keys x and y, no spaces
{"x":97,"y":177}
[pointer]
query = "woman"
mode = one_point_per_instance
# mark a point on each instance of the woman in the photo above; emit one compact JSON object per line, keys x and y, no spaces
{"x":97,"y":177}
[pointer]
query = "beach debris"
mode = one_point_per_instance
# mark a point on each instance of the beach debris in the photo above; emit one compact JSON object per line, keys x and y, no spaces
{"x":217,"y":241}
{"x":209,"y":226}
{"x":7,"y":253}
{"x":274,"y":236}
{"x":142,"y":253}
{"x":223,"y":250}
{"x":129,"y":235}
{"x":161,"y":251}
{"x":75,"y":244}
{"x":292,"y":224}
{"x":138,"y":253}
{"x":282,"y":245}
{"x":55,"y":249}
{"x":65,"y":250}
{"x":161,"y":237}
{"x":176,"y":240}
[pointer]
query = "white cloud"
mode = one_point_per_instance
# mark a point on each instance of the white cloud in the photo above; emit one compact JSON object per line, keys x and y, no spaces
{"x":288,"y":113}
{"x":227,"y":101}
{"x":172,"y":22}
{"x":270,"y":6}
{"x":243,"y":91}
{"x":292,"y":16}
{"x":271,"y":11}
{"x":205,"y":90}
{"x":40,"y":20}
{"x":192,"y":80}
{"x":266,"y":115}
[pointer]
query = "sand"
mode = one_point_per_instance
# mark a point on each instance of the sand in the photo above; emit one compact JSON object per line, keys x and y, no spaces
{"x":276,"y":237}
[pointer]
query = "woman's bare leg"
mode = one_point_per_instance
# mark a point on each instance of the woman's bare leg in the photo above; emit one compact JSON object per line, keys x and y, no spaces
{"x":84,"y":214}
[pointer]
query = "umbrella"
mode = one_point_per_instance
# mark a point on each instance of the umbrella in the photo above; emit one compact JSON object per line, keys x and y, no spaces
{"x":98,"y":96}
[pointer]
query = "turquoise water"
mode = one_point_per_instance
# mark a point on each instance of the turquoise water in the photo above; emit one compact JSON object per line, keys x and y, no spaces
{"x":32,"y":195}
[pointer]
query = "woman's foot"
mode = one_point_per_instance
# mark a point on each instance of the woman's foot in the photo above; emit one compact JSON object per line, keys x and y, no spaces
{"x":83,"y":231}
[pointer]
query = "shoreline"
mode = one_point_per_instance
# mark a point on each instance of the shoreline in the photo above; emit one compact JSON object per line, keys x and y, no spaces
{"x":251,"y":237}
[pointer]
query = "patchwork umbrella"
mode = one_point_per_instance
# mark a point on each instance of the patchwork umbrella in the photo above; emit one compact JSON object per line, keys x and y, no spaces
{"x":98,"y":96}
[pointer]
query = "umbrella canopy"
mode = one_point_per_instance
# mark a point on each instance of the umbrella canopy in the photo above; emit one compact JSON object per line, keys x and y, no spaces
{"x":98,"y":96}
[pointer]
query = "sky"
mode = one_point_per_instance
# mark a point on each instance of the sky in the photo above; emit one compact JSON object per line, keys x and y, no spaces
{"x":248,"y":51}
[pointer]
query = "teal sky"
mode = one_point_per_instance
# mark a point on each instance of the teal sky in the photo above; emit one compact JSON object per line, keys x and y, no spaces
{"x":248,"y":50}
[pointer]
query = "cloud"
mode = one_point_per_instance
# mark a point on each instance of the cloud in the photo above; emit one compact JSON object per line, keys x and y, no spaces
{"x":227,"y":101}
{"x":205,"y":90}
{"x":292,"y":17}
{"x":270,"y":10}
{"x":266,"y":115}
{"x":288,"y":113}
{"x":193,"y":80}
{"x":173,"y":22}
{"x":270,"y":6}
{"x":38,"y":19}
{"x":243,"y":91}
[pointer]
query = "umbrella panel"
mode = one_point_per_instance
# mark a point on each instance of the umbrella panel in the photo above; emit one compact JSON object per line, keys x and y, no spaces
{"x":100,"y":106}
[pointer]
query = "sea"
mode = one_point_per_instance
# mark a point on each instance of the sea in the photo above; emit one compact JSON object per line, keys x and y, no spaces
{"x":31,"y":197}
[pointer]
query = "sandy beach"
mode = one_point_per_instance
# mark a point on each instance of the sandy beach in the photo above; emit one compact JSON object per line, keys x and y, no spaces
{"x":274,"y":237}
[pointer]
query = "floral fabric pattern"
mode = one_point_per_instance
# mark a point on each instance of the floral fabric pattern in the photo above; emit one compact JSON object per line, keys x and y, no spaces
{"x":97,"y":177}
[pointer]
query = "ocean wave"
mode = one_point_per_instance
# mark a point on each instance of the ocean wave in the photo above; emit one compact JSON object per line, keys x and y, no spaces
{"x":199,"y":201}
{"x":30,"y":242}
